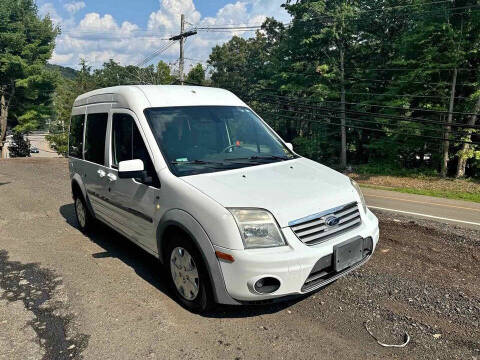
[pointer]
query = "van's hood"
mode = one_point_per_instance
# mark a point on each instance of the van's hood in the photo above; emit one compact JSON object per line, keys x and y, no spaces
{"x":289,"y":189}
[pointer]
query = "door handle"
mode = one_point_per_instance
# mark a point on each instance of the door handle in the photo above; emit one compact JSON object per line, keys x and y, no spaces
{"x":101,"y":173}
{"x":111,"y":177}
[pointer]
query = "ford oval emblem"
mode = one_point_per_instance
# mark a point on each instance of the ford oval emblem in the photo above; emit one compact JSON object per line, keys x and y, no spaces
{"x":332,"y":221}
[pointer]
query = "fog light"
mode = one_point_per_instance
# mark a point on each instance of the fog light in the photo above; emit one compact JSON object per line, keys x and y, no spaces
{"x":267,"y":285}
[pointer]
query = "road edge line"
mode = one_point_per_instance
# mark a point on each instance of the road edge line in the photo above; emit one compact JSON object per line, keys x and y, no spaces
{"x":425,"y":215}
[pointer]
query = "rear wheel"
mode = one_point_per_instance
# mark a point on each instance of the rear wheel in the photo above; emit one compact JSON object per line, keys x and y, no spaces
{"x":84,"y":218}
{"x":188,"y":273}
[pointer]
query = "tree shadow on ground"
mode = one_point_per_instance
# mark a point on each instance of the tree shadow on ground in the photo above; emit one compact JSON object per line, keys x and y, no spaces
{"x":151,"y":270}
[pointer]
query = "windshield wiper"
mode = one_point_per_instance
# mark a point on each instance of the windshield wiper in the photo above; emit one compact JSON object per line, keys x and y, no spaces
{"x":255,"y":157}
{"x":196,"y":162}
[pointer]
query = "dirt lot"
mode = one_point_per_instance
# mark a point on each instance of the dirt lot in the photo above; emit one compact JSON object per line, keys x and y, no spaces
{"x":64,"y":296}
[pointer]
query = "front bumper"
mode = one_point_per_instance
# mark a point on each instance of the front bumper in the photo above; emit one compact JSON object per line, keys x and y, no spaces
{"x":291,"y":265}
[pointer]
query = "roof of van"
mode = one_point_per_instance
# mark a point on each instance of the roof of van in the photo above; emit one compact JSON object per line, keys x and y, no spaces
{"x":143,"y":96}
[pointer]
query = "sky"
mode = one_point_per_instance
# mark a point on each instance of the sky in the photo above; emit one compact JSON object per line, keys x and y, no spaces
{"x":130,"y":30}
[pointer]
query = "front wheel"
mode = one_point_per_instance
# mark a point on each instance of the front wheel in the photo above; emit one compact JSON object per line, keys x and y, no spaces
{"x":189,"y":275}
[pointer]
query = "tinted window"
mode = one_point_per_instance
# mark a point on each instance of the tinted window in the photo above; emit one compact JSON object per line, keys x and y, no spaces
{"x":127,"y":144}
{"x":95,"y":138}
{"x":75,"y":140}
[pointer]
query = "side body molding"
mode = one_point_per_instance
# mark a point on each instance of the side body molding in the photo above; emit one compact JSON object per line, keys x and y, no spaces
{"x":78,"y":180}
{"x":187,"y":222}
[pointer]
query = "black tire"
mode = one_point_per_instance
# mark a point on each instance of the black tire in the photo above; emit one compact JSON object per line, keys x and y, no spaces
{"x":203,"y":301}
{"x":85,"y":221}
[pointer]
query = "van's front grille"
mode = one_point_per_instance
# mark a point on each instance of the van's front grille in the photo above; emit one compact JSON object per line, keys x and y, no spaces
{"x":319,"y":227}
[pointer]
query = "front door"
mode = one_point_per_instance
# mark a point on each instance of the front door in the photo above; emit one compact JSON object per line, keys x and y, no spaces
{"x":95,"y":160}
{"x":133,"y":201}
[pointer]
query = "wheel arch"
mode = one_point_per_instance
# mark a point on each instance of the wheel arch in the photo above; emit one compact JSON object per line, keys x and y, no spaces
{"x":179,"y":220}
{"x":78,"y":188}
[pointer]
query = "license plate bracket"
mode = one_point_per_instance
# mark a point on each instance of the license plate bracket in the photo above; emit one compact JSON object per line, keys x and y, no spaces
{"x":347,"y":253}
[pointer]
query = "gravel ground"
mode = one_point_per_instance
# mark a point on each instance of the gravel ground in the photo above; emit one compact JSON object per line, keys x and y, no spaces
{"x":63,"y":295}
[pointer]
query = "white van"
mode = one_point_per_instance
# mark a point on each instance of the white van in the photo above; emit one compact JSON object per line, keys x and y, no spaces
{"x":193,"y":176}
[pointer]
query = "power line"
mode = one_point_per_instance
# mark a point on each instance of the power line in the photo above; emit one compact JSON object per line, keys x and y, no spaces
{"x":257,"y":26}
{"x":379,"y":115}
{"x":396,"y":126}
{"x":95,"y":36}
{"x":453,"y":11}
{"x":383,"y":106}
{"x":410,"y":69}
{"x":405,"y":6}
{"x":154,"y":54}
{"x":456,"y":136}
{"x":228,"y":31}
{"x":402,"y":95}
{"x":199,"y":60}
{"x":367,"y":114}
{"x":241,"y":26}
{"x":228,"y":27}
{"x":377,"y":130}
{"x":409,"y":82}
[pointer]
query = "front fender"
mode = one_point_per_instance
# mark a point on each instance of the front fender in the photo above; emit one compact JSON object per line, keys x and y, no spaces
{"x":192,"y":227}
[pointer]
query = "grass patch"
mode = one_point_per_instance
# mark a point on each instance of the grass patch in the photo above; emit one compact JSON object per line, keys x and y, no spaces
{"x":391,"y":170}
{"x":456,"y":195}
{"x":423,"y":184}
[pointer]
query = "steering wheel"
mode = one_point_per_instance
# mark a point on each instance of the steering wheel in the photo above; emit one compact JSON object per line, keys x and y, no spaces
{"x":231,"y":147}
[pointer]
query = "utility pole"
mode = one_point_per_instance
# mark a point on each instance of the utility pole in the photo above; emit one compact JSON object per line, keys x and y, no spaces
{"x":448,"y":127}
{"x":182,"y":37}
{"x":343,"y":151}
{"x":463,"y":153}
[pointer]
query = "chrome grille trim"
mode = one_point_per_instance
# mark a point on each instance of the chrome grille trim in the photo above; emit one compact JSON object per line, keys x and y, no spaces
{"x":312,"y":229}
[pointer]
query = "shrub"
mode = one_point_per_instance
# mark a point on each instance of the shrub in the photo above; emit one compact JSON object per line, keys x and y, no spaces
{"x":20,"y":147}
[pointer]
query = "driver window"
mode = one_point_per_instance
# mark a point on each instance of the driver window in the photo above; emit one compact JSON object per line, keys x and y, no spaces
{"x":127,"y":144}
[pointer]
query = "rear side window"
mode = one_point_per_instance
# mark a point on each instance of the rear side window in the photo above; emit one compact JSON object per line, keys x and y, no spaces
{"x":75,"y":140}
{"x":127,"y":144}
{"x":95,"y":132}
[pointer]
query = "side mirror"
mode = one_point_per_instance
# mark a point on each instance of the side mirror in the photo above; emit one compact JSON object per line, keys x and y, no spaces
{"x":131,"y":169}
{"x":289,"y":146}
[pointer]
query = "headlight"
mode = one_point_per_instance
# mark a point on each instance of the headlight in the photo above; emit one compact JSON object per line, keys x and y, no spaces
{"x":258,"y":228}
{"x":359,"y":191}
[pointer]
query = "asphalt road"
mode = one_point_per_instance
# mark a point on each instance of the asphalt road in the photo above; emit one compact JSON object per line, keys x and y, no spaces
{"x":457,"y":212}
{"x":38,"y":140}
{"x":67,"y":296}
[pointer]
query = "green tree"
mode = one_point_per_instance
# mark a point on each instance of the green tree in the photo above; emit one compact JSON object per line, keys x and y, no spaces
{"x":328,"y":33}
{"x":163,"y":74}
{"x":229,"y":62}
{"x":245,"y":66}
{"x":20,"y":147}
{"x":65,"y":94}
{"x":66,"y":91}
{"x":26,"y":43}
{"x":196,"y":75}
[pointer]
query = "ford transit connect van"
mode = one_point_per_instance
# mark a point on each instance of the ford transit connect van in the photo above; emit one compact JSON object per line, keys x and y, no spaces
{"x":194,"y":177}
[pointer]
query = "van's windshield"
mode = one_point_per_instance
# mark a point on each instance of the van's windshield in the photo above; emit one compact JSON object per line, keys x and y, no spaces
{"x":200,"y":139}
